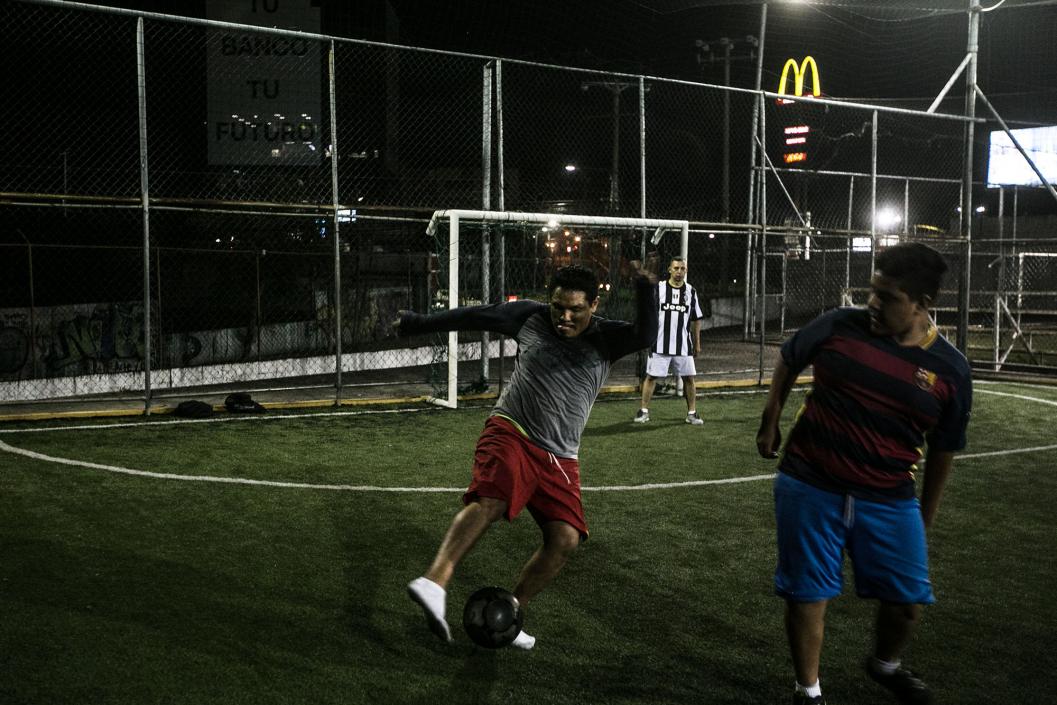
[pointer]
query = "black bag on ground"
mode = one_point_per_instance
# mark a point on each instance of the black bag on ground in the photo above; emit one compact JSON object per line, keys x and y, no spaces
{"x":241,"y":403}
{"x":194,"y":409}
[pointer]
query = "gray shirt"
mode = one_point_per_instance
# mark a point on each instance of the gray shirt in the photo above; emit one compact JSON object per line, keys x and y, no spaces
{"x":555,"y":379}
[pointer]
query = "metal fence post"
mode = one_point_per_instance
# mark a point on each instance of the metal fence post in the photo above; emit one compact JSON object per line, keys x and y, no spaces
{"x":32,"y":307}
{"x":486,"y":204}
{"x":873,"y":192}
{"x":158,"y":310}
{"x":763,"y":241}
{"x":501,"y":195}
{"x":906,"y":206}
{"x":335,"y":204}
{"x":642,"y":164}
{"x":848,"y":241}
{"x":964,"y":282}
{"x":257,"y":301}
{"x":501,"y":203}
{"x":141,"y":91}
{"x":754,"y":134}
{"x":1001,"y":285}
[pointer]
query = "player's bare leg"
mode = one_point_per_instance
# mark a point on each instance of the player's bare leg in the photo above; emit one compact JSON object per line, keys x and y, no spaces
{"x":466,"y":528}
{"x":895,"y":623}
{"x":804,"y":627}
{"x":559,"y":542}
{"x":690,"y":393}
{"x":648,"y":385}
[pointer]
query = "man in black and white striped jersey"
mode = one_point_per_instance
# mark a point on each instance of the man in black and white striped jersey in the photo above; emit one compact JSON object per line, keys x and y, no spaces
{"x":678,"y":315}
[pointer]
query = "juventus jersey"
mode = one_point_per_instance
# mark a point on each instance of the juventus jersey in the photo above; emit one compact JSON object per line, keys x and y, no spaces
{"x":677,"y":306}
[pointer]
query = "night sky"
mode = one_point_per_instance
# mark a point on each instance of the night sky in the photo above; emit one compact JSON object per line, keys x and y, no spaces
{"x":885,"y":52}
{"x":899,"y":52}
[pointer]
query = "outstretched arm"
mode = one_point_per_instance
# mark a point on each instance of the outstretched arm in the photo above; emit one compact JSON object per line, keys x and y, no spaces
{"x":504,"y":318}
{"x":623,"y":337}
{"x":645,"y":325}
{"x":769,"y":437}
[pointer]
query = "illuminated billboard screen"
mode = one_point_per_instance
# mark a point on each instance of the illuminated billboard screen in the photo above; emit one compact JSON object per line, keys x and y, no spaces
{"x":1007,"y":167}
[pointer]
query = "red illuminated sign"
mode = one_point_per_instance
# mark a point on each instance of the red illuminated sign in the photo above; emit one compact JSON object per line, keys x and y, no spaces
{"x":800,"y":72}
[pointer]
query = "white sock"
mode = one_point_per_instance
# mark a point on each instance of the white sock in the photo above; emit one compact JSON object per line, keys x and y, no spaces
{"x":812,"y":691}
{"x":432,"y":598}
{"x":886,"y":667}
{"x":644,"y":410}
{"x":523,"y":641}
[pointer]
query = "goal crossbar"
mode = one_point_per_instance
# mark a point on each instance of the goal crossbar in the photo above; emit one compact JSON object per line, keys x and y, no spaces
{"x":455,"y":217}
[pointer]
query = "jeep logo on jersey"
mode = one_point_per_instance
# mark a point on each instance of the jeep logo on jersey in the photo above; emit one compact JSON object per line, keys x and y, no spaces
{"x":680,"y":308}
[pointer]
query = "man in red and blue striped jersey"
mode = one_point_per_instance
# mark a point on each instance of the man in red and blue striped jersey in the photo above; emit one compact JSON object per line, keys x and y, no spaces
{"x":886,"y":385}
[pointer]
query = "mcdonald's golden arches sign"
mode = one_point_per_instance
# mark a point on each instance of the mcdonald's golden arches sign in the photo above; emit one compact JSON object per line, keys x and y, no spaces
{"x":799,"y":72}
{"x":796,"y":134}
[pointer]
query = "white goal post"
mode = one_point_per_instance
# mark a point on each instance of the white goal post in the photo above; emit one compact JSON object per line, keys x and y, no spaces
{"x":455,"y":216}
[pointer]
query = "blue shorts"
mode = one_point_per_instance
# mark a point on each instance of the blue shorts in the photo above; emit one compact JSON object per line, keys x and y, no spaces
{"x":885,"y":540}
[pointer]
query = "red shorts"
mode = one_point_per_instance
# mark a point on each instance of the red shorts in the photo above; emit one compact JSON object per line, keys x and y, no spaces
{"x":508,"y":466}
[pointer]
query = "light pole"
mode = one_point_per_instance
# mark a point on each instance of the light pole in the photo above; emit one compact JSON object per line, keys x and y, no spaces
{"x":726,"y":44}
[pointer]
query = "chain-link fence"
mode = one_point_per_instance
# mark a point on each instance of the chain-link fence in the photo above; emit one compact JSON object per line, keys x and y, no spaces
{"x":1013,"y":320}
{"x":196,"y":204}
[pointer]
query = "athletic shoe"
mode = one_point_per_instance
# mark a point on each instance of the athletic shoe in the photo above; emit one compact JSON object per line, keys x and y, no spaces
{"x":693,"y":419}
{"x":907,"y":686}
{"x":802,"y":698}
{"x":431,"y":598}
{"x":523,"y":641}
{"x":642,"y":416}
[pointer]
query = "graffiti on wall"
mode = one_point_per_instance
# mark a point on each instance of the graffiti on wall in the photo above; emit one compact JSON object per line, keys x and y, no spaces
{"x":85,"y":339}
{"x":71,"y":340}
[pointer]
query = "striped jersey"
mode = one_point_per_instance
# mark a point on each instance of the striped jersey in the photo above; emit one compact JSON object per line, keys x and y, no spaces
{"x":676,"y":307}
{"x":872,"y":406}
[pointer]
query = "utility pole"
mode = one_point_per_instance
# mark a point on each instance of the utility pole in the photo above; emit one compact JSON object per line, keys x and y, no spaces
{"x":616,"y":88}
{"x":613,"y":205}
{"x":725,"y":45}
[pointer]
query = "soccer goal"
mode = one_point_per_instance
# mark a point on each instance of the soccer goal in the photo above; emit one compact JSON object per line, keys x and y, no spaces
{"x":492,"y":256}
{"x":1024,"y":322}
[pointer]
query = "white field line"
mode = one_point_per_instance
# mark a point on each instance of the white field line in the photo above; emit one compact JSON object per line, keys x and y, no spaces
{"x":1012,"y":451}
{"x":371,"y":488}
{"x":1050,"y":402}
{"x":212,"y":478}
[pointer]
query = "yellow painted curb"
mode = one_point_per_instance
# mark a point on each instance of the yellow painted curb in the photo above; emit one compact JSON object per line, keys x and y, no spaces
{"x":320,"y":403}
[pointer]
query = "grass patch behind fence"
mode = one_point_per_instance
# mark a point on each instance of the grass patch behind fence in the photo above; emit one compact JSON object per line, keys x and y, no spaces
{"x":127,"y":589}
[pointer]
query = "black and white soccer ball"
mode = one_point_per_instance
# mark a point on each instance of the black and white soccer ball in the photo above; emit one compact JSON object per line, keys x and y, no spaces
{"x":492,"y":617}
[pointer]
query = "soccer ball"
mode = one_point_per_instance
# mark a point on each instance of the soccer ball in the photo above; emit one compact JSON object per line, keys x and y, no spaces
{"x":492,"y":617}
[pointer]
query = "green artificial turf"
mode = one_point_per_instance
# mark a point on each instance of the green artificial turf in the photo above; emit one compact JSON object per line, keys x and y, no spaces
{"x":118,"y":588}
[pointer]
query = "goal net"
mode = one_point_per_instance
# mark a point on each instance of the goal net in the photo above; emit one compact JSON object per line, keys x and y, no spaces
{"x":484,"y":257}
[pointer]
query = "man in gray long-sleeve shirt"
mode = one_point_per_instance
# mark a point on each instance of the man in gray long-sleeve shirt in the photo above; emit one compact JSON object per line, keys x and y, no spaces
{"x":527,"y":454}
